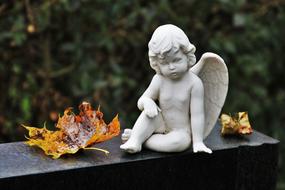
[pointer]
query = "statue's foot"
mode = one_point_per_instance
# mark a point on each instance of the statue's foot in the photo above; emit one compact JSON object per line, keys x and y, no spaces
{"x":126,"y":135}
{"x":201,"y":147}
{"x":131,"y":147}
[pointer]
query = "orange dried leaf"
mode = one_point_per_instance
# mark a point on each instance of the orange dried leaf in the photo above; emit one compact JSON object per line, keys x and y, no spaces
{"x":113,"y":129}
{"x":75,"y":132}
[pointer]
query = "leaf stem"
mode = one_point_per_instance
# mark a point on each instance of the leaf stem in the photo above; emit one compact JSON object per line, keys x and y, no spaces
{"x":93,"y":148}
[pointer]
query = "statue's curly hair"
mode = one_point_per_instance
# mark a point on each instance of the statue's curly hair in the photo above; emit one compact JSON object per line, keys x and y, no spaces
{"x":166,"y":38}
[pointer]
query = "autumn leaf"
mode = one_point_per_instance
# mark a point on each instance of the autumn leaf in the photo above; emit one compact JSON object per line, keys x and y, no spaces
{"x":74,"y":132}
{"x":237,"y":125}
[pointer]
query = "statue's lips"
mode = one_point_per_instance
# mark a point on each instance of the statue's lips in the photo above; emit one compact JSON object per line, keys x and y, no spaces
{"x":173,"y":73}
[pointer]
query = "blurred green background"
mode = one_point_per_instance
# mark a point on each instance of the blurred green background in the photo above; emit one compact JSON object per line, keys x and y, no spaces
{"x":57,"y":53}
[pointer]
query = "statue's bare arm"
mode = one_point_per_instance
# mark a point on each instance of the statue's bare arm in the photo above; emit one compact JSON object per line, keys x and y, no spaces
{"x":197,"y":110}
{"x":198,"y":116}
{"x":146,"y":102}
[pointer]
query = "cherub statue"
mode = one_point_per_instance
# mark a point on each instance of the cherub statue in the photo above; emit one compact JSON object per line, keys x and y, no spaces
{"x":182,"y":103}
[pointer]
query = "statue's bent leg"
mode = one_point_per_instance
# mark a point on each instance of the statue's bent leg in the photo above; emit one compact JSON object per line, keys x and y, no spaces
{"x":174,"y":141}
{"x":142,"y":130}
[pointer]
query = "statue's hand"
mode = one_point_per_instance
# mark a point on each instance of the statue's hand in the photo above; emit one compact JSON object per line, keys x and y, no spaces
{"x":151,"y":109}
{"x":201,"y":147}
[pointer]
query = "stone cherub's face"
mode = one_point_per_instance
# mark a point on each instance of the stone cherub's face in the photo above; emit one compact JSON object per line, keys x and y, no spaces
{"x":173,"y":65}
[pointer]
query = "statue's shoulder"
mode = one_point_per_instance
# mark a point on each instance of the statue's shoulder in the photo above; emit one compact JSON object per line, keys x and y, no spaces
{"x":195,"y":80}
{"x":155,"y":82}
{"x":157,"y":78}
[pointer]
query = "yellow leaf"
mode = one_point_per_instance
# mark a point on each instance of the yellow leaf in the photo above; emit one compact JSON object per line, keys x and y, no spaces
{"x":237,"y":125}
{"x":75,"y":132}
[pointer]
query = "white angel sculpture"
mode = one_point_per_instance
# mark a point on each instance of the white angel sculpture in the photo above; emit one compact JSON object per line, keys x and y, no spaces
{"x":183,"y":102}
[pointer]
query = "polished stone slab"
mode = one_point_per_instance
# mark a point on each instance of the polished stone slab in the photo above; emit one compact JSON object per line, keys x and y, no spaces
{"x":236,"y":163}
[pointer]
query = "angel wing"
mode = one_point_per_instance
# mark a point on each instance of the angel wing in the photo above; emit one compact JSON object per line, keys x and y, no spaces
{"x":213,"y":71}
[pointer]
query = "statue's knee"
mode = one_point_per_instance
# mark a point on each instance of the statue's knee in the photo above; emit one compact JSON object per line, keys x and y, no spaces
{"x":145,"y":116}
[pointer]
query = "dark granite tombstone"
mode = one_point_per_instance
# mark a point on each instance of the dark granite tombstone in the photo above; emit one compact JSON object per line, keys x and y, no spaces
{"x":247,"y":163}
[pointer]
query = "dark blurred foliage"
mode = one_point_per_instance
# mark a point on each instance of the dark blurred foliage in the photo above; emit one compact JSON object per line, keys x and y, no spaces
{"x":57,"y":53}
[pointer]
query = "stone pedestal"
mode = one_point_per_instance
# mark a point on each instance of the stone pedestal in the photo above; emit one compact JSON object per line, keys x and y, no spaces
{"x":245,"y":163}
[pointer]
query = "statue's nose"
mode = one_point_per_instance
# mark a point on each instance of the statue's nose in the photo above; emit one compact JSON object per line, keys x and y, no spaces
{"x":171,"y":66}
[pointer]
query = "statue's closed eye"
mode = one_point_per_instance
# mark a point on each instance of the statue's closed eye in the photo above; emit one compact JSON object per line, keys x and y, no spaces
{"x":177,"y":59}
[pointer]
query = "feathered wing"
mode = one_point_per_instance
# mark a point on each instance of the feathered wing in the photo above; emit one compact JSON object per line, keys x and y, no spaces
{"x":213,"y":71}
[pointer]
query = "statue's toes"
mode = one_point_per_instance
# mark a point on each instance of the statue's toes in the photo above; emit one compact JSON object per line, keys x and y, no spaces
{"x":128,"y":131}
{"x":125,"y":137}
{"x":130,"y":148}
{"x":208,"y":150}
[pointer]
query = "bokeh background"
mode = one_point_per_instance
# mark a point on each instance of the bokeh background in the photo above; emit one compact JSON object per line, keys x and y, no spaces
{"x":57,"y":53}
